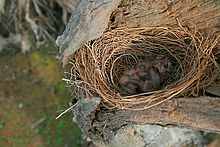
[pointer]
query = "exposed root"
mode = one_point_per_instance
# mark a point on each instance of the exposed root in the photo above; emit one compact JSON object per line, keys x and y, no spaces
{"x":42,"y":18}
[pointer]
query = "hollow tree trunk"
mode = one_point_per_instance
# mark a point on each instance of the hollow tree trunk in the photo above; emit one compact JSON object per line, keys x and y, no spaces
{"x":104,"y":126}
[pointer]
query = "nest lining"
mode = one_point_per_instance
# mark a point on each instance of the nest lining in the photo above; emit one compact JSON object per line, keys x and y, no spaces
{"x":97,"y":65}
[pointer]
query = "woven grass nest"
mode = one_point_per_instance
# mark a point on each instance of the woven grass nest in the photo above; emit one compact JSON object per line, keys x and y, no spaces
{"x":98,"y":64}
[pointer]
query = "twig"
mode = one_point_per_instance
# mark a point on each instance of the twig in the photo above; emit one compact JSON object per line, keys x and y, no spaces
{"x":38,"y":122}
{"x":65,"y":111}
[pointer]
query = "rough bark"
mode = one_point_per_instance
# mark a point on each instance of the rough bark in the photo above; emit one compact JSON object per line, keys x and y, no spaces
{"x":88,"y":22}
{"x":102,"y":125}
{"x":197,"y":13}
{"x":92,"y":18}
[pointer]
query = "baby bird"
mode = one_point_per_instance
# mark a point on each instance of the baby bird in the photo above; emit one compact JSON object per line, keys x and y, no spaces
{"x":147,"y":75}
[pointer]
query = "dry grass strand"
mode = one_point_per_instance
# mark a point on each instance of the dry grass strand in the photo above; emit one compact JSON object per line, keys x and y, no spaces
{"x":101,"y":62}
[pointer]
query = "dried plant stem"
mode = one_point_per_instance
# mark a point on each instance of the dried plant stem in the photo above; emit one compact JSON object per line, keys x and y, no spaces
{"x":67,"y":110}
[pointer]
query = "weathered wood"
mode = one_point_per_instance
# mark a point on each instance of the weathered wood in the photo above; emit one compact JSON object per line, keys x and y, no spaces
{"x":201,"y":113}
{"x":91,"y":18}
{"x":191,"y":13}
{"x":2,"y":5}
{"x":197,"y":113}
{"x":88,"y":22}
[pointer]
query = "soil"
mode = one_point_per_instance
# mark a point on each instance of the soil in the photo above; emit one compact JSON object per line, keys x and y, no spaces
{"x":32,"y":94}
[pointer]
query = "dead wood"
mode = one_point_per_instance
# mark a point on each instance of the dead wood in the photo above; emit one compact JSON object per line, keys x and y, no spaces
{"x":197,"y":13}
{"x":101,"y":123}
{"x":91,"y":18}
{"x":195,"y":113}
{"x":88,"y":22}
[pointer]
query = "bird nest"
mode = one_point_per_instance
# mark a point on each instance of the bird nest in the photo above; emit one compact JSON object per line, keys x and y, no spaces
{"x":98,"y":65}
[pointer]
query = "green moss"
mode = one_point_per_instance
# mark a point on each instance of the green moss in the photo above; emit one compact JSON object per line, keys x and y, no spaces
{"x":43,"y":131}
{"x":9,"y":112}
{"x":62,"y":130}
{"x":19,"y":140}
{"x":59,"y":142}
{"x":1,"y":124}
{"x":38,"y":85}
{"x":45,"y":68}
{"x":2,"y":140}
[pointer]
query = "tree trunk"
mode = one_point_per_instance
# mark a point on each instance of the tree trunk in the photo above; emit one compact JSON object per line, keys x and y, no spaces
{"x":105,"y":126}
